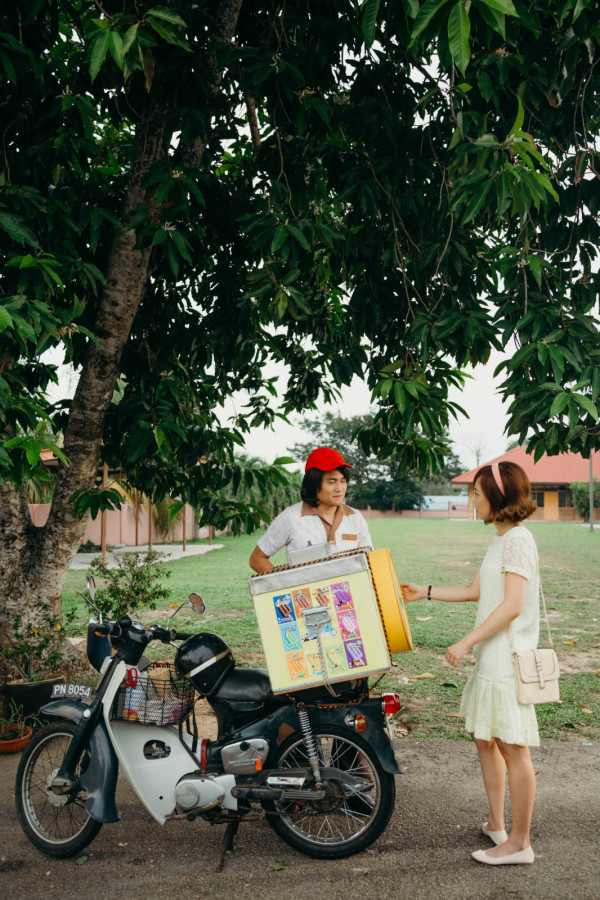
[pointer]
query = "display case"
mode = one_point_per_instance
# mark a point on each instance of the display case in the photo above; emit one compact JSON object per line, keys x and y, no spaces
{"x":330,"y":620}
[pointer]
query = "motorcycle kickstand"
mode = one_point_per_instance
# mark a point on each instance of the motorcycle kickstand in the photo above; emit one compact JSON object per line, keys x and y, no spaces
{"x":230,"y":833}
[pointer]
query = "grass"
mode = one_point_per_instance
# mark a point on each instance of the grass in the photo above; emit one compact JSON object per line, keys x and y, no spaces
{"x":436,"y":551}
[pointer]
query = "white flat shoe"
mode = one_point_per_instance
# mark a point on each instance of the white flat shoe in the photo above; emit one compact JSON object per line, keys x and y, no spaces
{"x":521,"y":858}
{"x":498,"y":837}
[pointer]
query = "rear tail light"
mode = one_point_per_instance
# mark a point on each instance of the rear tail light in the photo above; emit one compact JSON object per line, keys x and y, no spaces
{"x":390,"y":704}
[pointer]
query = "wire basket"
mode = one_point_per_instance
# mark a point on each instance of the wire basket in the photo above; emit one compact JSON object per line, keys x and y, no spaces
{"x":155,"y":696}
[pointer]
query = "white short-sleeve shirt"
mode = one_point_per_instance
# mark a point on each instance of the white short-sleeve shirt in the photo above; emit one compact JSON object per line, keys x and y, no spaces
{"x":300,"y":526}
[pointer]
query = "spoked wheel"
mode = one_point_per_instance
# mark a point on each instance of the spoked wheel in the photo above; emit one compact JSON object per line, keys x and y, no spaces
{"x":56,"y":824}
{"x":349,"y":817}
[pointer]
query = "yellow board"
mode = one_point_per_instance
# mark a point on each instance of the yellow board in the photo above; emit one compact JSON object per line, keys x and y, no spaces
{"x":391,"y":601}
{"x":353,"y":641}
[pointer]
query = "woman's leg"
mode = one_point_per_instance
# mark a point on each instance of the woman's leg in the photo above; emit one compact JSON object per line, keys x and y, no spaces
{"x":493,"y":769}
{"x":521,"y":785}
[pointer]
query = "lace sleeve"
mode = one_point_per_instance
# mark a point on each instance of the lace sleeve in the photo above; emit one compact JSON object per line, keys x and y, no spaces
{"x":519,"y":555}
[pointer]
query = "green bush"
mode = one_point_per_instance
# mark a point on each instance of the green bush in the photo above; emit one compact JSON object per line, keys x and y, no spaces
{"x":581,"y":497}
{"x":136,"y":581}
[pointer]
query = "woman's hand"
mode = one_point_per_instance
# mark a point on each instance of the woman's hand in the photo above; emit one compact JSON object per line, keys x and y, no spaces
{"x":412,"y":592}
{"x":455,"y":653}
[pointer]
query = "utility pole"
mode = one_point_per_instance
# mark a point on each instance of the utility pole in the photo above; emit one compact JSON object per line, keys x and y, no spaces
{"x":591,"y":491}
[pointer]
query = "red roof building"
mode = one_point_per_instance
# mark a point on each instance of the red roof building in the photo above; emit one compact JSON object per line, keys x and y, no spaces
{"x":551,"y":478}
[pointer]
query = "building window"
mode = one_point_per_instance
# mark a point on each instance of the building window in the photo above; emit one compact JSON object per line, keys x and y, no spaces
{"x":538,"y":498}
{"x":565,"y":497}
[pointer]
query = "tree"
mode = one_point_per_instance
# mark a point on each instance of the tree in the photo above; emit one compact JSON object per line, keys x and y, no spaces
{"x":581,"y":497}
{"x":192,"y":189}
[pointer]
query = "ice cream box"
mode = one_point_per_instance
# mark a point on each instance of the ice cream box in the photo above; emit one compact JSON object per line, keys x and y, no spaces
{"x":321,"y":621}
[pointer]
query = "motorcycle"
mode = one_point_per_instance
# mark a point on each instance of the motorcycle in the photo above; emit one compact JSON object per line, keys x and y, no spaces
{"x":321,"y":767}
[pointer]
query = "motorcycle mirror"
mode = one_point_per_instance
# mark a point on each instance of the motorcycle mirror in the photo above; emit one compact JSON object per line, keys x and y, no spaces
{"x":89,"y":595}
{"x":197,"y":603}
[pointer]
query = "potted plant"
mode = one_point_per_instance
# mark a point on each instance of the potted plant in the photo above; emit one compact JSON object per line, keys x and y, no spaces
{"x":15,"y":730}
{"x":33,"y":653}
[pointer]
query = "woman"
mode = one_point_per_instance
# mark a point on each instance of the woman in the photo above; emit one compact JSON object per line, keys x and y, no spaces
{"x":321,"y":516}
{"x":506,"y":587}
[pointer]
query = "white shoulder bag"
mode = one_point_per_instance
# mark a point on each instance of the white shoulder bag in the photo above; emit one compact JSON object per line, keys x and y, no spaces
{"x":536,"y":671}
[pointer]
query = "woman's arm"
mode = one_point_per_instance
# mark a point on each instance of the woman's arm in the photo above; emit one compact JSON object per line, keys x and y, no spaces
{"x":461,"y":593}
{"x":515,"y":587}
{"x":259,"y":561}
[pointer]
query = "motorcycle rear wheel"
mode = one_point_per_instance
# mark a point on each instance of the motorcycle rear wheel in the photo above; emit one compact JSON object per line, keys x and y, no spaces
{"x":342,"y":824}
{"x":57,"y":825}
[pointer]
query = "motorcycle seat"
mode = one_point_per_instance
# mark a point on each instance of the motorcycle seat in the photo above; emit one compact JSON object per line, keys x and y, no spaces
{"x":246,"y":686}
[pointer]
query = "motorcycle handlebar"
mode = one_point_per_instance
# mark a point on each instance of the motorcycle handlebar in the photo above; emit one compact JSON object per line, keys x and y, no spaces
{"x":111,"y":629}
{"x":166,"y":635}
{"x":155,"y":632}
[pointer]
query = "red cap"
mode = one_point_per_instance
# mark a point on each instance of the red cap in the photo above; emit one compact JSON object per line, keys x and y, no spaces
{"x":325,"y":459}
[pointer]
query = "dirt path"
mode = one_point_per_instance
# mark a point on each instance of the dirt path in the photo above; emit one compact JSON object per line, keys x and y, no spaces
{"x":424,"y":854}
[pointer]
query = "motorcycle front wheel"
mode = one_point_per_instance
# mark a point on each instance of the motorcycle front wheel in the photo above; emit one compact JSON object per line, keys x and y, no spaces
{"x":58,"y":825}
{"x":346,"y":820}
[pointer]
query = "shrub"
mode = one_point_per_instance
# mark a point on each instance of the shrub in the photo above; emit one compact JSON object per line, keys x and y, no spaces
{"x":581,"y":497}
{"x":136,"y":581}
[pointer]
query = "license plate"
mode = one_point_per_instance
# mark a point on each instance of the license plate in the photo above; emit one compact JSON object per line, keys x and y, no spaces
{"x":72,"y":691}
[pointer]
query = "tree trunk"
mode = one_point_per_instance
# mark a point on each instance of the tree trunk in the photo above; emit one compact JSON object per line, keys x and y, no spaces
{"x":35,"y":561}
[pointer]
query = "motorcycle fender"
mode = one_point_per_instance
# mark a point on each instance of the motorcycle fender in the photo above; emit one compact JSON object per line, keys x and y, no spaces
{"x":375,"y":734}
{"x":100,"y":778}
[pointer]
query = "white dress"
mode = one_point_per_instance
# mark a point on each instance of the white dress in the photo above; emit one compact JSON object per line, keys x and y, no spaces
{"x":489,"y":701}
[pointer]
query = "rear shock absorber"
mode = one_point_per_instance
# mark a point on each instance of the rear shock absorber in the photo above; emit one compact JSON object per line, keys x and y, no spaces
{"x":309,"y":741}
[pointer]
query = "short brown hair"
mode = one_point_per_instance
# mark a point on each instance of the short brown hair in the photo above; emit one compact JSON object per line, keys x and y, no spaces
{"x":516,"y":503}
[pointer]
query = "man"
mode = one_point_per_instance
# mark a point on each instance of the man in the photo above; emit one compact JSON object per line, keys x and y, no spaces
{"x":321,"y":516}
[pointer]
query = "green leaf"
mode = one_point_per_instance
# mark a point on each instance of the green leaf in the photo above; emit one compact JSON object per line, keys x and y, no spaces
{"x":518,"y":123}
{"x":278,"y":864}
{"x":297,"y":234}
{"x":585,"y":403}
{"x":8,"y":68}
{"x":559,"y":403}
{"x":425,"y":15}
{"x":32,"y":452}
{"x":163,"y":12}
{"x":370,"y":10}
{"x":400,"y":396}
{"x":459,"y":29}
{"x":115,"y":45}
{"x":487,"y":140}
{"x":579,"y":8}
{"x":536,"y":269}
{"x":98,"y":51}
{"x":477,"y":201}
{"x":557,"y":360}
{"x":5,"y":319}
{"x":279,"y":238}
{"x":17,"y":231}
{"x":129,"y":38}
{"x":503,"y":6}
{"x":386,"y":387}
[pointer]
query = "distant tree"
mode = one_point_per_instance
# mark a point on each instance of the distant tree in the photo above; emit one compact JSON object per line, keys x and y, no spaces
{"x":581,"y":497}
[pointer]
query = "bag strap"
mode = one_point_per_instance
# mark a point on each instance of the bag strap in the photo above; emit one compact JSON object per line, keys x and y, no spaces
{"x":510,"y":631}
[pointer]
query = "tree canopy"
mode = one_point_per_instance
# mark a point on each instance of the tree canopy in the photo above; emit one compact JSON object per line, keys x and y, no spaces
{"x":189,"y":190}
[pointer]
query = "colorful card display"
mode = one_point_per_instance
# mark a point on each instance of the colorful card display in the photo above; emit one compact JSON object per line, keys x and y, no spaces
{"x":351,"y":637}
